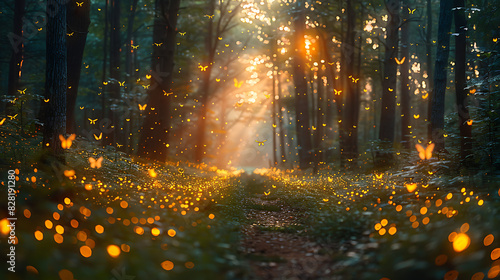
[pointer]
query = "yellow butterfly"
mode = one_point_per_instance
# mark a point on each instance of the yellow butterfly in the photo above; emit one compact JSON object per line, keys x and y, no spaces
{"x":134,"y":47}
{"x":40,"y":29}
{"x":87,"y":67}
{"x":12,"y":117}
{"x":399,"y":62}
{"x":98,"y":137}
{"x":354,"y":80}
{"x":425,"y":96}
{"x":2,"y":121}
{"x":70,"y":34}
{"x":379,"y":176}
{"x":92,"y":121}
{"x":425,"y":153}
{"x":158,"y":44}
{"x":148,"y":76}
{"x":337,"y":92}
{"x":146,"y":87}
{"x":142,"y":107}
{"x":22,"y":91}
{"x":390,"y":89}
{"x":472,"y":91}
{"x":46,"y":100}
{"x":209,"y":16}
{"x":227,"y":45}
{"x":411,"y":11}
{"x":267,"y":193}
{"x":495,"y":40}
{"x":220,"y":38}
{"x":267,"y":95}
{"x":95,"y":163}
{"x":416,"y":116}
{"x":203,"y":68}
{"x":79,"y":4}
{"x":217,"y":80}
{"x":166,"y":93}
{"x":331,"y":63}
{"x":118,"y":145}
{"x":104,"y":83}
{"x":182,"y":33}
{"x":66,"y":143}
{"x":261,"y":143}
{"x":238,"y":104}
{"x":121,"y":83}
{"x":274,"y":126}
{"x":238,"y":84}
{"x":469,"y":122}
{"x":81,"y":108}
{"x":152,"y":109}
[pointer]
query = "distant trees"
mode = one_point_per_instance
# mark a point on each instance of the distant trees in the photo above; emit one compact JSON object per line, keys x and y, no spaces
{"x":153,"y":140}
{"x":16,"y":58}
{"x":55,"y":77}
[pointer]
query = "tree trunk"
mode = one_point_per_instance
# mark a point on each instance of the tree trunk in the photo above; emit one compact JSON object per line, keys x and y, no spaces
{"x":430,"y":72}
{"x":387,"y":116}
{"x":405,"y":81}
{"x":55,"y":78}
{"x":114,"y":69}
{"x":280,"y":123}
{"x":104,"y":60}
{"x":155,"y":129}
{"x":16,"y":59}
{"x":78,"y":21}
{"x":304,"y":143}
{"x":128,"y":42}
{"x":460,"y":82}
{"x":440,"y":74}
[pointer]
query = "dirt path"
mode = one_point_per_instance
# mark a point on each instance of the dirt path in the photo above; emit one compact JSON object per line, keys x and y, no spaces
{"x":277,"y":249}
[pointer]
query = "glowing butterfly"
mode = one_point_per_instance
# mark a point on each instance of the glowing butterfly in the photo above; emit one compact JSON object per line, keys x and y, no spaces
{"x":337,"y":92}
{"x":69,"y":173}
{"x":411,"y":187}
{"x":367,"y":108}
{"x":87,"y":67}
{"x":416,"y":116}
{"x":98,"y":137}
{"x":469,"y":122}
{"x":430,"y":172}
{"x":92,"y":121}
{"x":411,"y":11}
{"x":425,"y":96}
{"x":146,"y":87}
{"x":152,"y":173}
{"x":70,"y":34}
{"x":142,"y":107}
{"x":66,"y":143}
{"x":399,"y":62}
{"x":209,"y":16}
{"x":379,"y":176}
{"x":182,"y":33}
{"x":325,"y":199}
{"x":134,"y":47}
{"x":148,"y":76}
{"x":167,"y":93}
{"x":12,"y":117}
{"x":390,"y":89}
{"x":46,"y":100}
{"x":425,"y":186}
{"x":472,"y":91}
{"x":2,"y":121}
{"x":495,"y":40}
{"x":261,"y":143}
{"x":40,"y":29}
{"x":121,"y":83}
{"x":238,"y":104}
{"x":425,"y":153}
{"x":330,"y":179}
{"x":331,"y":63}
{"x":220,"y":38}
{"x":274,"y":126}
{"x":238,"y":84}
{"x":79,"y":4}
{"x":104,"y":83}
{"x":81,"y":108}
{"x":158,"y":44}
{"x":118,"y":145}
{"x":217,"y":80}
{"x":152,"y":109}
{"x":22,"y":91}
{"x":354,"y":80}
{"x":203,"y":68}
{"x":227,"y":45}
{"x":267,"y":95}
{"x":95,"y":163}
{"x":267,"y":193}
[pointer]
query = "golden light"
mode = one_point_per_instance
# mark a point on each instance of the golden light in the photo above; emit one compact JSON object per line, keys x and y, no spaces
{"x":478,"y":276}
{"x":99,"y":229}
{"x":461,"y":242}
{"x":411,"y":187}
{"x":31,"y":269}
{"x":86,"y":251}
{"x":123,"y":204}
{"x":38,"y":235}
{"x":4,"y":226}
{"x":171,"y":232}
{"x":495,"y":254}
{"x":152,"y":173}
{"x":167,"y":265}
{"x":211,"y":216}
{"x":88,"y":187}
{"x":114,"y":251}
{"x":488,"y":240}
{"x":65,"y":274}
{"x":469,"y":122}
{"x":494,"y":271}
{"x":155,"y":231}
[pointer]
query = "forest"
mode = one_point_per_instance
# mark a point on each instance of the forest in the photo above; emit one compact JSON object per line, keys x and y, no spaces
{"x":250,"y":139}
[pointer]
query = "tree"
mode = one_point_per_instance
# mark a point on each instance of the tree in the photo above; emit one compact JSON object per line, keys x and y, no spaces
{"x":387,"y":121}
{"x":405,"y":81}
{"x":428,"y":50}
{"x":55,"y":77}
{"x":304,"y":143}
{"x":78,"y":21}
{"x":440,"y":74}
{"x":460,"y":82}
{"x":154,"y":133}
{"x":16,"y":58}
{"x":115,"y":46}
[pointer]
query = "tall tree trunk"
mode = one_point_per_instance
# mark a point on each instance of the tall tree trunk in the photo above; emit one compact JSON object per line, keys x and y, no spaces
{"x":387,"y":116}
{"x":430,"y":72}
{"x":78,"y":21}
{"x":460,"y":82}
{"x":114,"y":68}
{"x":280,"y":122}
{"x":155,"y":129}
{"x":128,"y":41}
{"x":440,"y":74}
{"x":104,"y":59}
{"x":16,"y":58}
{"x":405,"y":81}
{"x":304,"y":143}
{"x":55,"y":78}
{"x":210,"y":45}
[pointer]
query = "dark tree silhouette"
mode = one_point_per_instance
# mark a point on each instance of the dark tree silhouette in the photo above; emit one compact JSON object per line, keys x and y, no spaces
{"x":405,"y":81}
{"x":17,"y":48}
